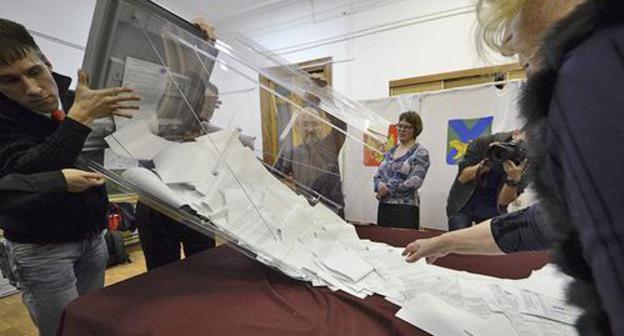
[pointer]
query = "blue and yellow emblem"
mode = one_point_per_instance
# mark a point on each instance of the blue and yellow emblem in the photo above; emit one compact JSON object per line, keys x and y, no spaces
{"x":461,"y":132}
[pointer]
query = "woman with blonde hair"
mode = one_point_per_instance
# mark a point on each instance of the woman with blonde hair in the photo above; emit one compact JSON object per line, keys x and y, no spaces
{"x":572,"y":105}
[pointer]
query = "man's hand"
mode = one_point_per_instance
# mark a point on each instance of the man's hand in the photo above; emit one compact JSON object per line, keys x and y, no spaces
{"x":290,"y":182}
{"x":513,"y":171}
{"x":208,"y":29}
{"x":431,"y":249}
{"x":79,"y":180}
{"x":94,"y":104}
{"x":484,"y":167}
{"x":471,"y":172}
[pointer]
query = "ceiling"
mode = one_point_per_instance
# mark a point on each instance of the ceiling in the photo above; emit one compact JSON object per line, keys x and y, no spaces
{"x":228,"y":14}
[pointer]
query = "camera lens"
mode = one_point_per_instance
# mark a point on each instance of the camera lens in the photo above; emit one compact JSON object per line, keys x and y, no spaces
{"x":497,"y":153}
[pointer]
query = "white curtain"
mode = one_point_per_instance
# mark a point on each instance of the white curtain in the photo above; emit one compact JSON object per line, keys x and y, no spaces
{"x":436,"y":109}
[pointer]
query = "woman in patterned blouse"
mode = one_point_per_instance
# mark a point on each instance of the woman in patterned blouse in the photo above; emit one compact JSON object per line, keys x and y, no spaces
{"x":400,"y":175}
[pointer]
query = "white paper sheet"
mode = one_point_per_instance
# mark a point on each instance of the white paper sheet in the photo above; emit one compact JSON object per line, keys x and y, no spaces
{"x":314,"y":244}
{"x":348,"y":264}
{"x":547,"y":307}
{"x":135,"y":141}
{"x":188,"y":162}
{"x":149,"y":81}
{"x":442,"y":319}
{"x":114,"y":161}
{"x":149,"y":182}
{"x":548,"y":280}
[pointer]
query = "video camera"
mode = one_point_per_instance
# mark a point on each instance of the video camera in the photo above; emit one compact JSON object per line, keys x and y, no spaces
{"x":500,"y":152}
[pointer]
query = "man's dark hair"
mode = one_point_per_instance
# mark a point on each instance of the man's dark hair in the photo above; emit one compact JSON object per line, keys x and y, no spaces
{"x":413,"y":119}
{"x":16,"y":43}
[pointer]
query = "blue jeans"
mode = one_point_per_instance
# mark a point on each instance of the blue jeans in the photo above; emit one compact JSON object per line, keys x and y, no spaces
{"x":459,"y":221}
{"x":52,"y":275}
{"x":462,"y":220}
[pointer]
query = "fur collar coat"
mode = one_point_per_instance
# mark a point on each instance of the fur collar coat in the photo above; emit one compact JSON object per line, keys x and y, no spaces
{"x":582,"y":41}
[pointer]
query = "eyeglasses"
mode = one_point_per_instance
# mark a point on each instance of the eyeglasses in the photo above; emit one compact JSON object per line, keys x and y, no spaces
{"x":404,"y":126}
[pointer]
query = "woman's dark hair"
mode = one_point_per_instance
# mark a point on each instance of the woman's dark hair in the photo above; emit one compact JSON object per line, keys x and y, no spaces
{"x":414,"y":119}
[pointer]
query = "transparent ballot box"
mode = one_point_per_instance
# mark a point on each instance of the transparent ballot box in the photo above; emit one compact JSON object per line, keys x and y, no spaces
{"x":229,"y":139}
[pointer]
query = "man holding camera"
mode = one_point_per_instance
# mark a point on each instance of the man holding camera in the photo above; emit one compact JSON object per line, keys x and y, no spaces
{"x":490,"y":177}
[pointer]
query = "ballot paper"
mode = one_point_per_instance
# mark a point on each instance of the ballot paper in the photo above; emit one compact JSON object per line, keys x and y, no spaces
{"x":533,"y":326}
{"x":224,"y":181}
{"x":547,"y":307}
{"x":528,"y":313}
{"x":112,"y":160}
{"x":294,"y":223}
{"x":149,"y":182}
{"x":184,"y":163}
{"x":149,"y":81}
{"x":348,"y":264}
{"x":548,"y":280}
{"x":437,"y":317}
{"x":344,"y":233}
{"x":135,"y":141}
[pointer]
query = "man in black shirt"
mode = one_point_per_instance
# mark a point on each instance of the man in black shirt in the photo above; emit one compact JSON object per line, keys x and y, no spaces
{"x":57,"y":248}
{"x":19,"y":192}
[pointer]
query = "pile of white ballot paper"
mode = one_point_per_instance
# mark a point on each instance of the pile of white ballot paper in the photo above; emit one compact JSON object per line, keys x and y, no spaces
{"x":223,"y":181}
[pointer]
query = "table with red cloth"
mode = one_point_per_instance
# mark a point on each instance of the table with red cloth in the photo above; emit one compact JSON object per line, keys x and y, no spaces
{"x":223,"y":292}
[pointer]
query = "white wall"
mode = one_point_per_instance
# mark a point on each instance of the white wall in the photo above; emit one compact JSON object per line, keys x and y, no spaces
{"x":432,"y":40}
{"x":66,"y":34}
{"x":61,"y":28}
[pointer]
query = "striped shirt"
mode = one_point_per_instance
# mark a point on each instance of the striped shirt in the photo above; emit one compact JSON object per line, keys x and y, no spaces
{"x":403,"y":175}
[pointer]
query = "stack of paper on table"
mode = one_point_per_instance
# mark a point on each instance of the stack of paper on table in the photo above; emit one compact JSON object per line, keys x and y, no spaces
{"x":224,"y":181}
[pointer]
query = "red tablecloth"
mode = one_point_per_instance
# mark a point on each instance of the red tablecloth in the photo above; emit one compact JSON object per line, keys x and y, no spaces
{"x":222,"y":292}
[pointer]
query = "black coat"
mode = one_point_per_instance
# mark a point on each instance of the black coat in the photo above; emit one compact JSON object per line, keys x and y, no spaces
{"x":460,"y":193}
{"x":22,"y":193}
{"x":32,"y":143}
{"x":574,"y":108}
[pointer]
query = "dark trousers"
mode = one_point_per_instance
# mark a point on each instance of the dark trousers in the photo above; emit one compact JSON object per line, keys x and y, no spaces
{"x":463,"y":220}
{"x":161,"y":237}
{"x":398,"y":215}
